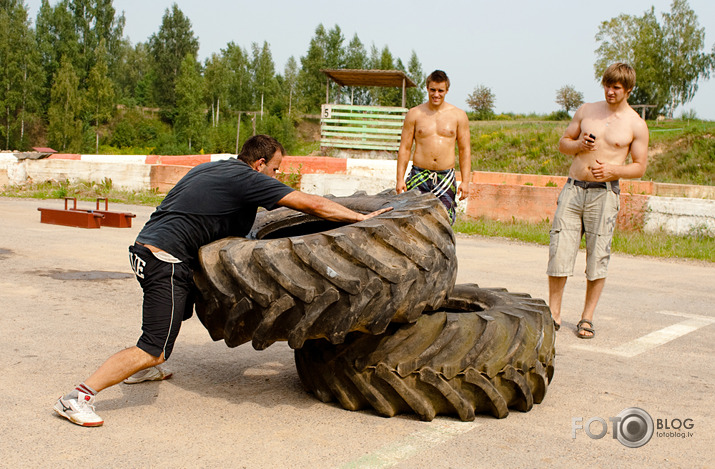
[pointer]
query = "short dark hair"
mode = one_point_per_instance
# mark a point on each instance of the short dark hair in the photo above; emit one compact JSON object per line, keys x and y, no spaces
{"x":438,"y":76}
{"x":260,"y":146}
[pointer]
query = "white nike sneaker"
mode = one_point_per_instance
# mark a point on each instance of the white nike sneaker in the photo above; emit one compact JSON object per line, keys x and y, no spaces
{"x":153,"y":373}
{"x":79,"y":411}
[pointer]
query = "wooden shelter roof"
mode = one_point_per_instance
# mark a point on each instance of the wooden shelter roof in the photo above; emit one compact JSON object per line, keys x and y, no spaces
{"x":384,"y":78}
{"x":44,"y":150}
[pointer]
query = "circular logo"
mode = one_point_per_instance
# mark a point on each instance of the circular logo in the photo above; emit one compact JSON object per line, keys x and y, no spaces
{"x":635,"y":428}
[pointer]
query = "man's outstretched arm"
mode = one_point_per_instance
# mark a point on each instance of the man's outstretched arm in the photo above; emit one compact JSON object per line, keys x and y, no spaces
{"x":324,"y":208}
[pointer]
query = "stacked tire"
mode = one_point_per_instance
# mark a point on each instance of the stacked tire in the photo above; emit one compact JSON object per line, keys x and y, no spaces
{"x":297,"y":277}
{"x":373,"y":314}
{"x":485,"y":350}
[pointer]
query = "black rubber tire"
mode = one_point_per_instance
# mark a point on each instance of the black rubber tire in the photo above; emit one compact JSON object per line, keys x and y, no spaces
{"x":486,"y":351}
{"x":305,"y":278}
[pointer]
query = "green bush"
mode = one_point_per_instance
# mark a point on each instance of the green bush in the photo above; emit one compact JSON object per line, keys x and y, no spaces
{"x":560,"y":115}
{"x":133,"y":128}
{"x":282,"y":129}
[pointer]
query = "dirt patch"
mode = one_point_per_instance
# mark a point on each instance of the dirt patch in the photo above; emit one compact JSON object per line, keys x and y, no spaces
{"x":309,"y":129}
{"x":656,"y":150}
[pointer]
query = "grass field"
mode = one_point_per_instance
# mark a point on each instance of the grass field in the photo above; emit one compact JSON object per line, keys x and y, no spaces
{"x":680,"y":151}
{"x":697,"y":245}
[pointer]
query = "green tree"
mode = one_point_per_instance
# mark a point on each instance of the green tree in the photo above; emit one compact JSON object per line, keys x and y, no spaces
{"x":169,"y":47}
{"x":386,"y":96}
{"x":216,"y":78}
{"x":668,"y":58}
{"x":100,"y":92}
{"x":134,"y":76}
{"x":263,"y":79}
{"x":481,"y":101}
{"x":56,"y":39}
{"x":326,"y":51}
{"x":415,"y":96}
{"x":335,"y":59}
{"x":239,"y":80}
{"x":290,"y":81}
{"x":374,"y":60}
{"x":189,"y":122}
{"x":312,"y":80}
{"x":65,"y":126}
{"x":95,"y":21}
{"x":686,"y":61}
{"x":20,"y":73}
{"x":356,"y":58}
{"x":568,"y":98}
{"x":334,"y":49}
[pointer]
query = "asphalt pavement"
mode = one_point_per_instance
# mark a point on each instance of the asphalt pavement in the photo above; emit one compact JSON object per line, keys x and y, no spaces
{"x":68,"y":301}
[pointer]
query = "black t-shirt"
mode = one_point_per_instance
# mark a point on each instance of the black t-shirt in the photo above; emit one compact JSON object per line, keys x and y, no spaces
{"x":214,"y":200}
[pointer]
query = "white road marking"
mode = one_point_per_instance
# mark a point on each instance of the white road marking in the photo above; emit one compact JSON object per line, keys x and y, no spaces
{"x":655,"y":338}
{"x":435,"y":433}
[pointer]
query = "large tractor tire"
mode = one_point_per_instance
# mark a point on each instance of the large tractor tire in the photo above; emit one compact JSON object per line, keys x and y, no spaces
{"x":486,"y":351}
{"x":305,"y":278}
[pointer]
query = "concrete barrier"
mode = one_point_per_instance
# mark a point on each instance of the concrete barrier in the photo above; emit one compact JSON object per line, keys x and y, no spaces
{"x":129,"y":176}
{"x":500,"y":196}
{"x":344,"y":184}
{"x":680,"y":216}
{"x":505,"y":202}
{"x":662,"y":189}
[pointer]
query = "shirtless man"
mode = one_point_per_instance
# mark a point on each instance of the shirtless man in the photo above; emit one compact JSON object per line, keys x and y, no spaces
{"x":434,"y":127}
{"x":599,"y":137}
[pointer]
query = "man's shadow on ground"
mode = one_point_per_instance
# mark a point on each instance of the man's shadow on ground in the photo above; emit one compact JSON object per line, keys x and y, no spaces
{"x":239,"y":375}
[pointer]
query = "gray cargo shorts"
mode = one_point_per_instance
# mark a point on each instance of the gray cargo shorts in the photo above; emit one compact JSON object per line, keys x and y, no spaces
{"x":589,"y":209}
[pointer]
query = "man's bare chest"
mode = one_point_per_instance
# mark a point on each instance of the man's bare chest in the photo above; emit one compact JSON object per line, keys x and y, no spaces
{"x":613,"y":133}
{"x":436,"y":127}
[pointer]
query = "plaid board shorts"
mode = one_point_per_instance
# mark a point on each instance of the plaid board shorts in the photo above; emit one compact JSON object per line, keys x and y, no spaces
{"x":442,"y":184}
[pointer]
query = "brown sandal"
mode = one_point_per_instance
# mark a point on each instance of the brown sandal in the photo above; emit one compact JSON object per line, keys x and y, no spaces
{"x":581,"y":328}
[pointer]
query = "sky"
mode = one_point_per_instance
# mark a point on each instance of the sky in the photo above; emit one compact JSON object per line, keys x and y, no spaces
{"x":523,"y":50}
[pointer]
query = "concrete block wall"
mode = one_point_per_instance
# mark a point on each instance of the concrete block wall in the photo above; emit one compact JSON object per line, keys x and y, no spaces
{"x":130,"y":172}
{"x":501,"y":196}
{"x":681,"y":216}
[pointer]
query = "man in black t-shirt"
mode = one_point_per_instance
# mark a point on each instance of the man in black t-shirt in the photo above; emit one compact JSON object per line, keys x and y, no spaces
{"x":214,"y":200}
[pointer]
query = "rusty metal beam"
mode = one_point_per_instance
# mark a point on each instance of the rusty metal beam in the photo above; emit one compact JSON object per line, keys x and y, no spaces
{"x":113,"y":219}
{"x":70,"y":217}
{"x":81,"y":218}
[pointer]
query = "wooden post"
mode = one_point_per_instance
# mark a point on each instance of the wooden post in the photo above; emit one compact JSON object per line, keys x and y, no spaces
{"x":327,"y":91}
{"x":404,"y":98}
{"x":238,"y":130}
